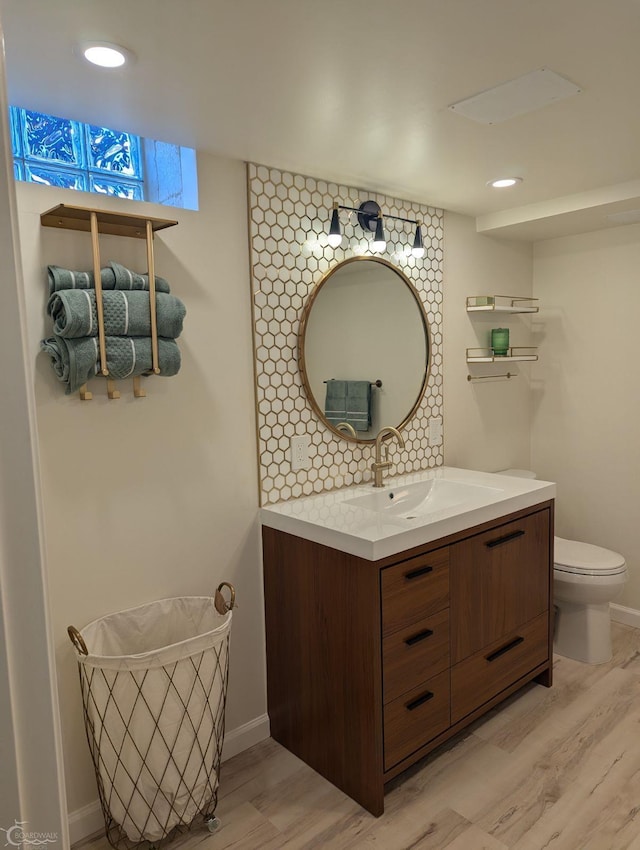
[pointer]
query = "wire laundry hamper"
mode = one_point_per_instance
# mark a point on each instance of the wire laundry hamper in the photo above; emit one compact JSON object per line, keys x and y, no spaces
{"x":154,"y":685}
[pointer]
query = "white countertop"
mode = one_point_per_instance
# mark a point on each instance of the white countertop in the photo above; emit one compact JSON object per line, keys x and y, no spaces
{"x":331,"y":520}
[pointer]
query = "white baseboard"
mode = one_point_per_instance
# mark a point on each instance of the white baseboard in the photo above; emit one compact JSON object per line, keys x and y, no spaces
{"x":245,"y":736}
{"x":85,"y":822}
{"x":88,"y":820}
{"x":628,"y":616}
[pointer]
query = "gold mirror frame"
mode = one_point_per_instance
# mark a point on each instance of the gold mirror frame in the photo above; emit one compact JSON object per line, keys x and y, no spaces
{"x":302,"y":332}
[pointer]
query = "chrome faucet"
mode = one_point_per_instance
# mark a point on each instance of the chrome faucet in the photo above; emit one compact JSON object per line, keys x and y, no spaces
{"x":379,"y":465}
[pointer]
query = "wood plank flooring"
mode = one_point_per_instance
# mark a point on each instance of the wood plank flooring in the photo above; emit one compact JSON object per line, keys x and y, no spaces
{"x":549,"y":769}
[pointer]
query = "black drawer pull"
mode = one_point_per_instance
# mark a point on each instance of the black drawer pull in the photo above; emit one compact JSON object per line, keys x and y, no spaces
{"x":511,"y":645}
{"x":420,"y":701}
{"x":420,"y":636}
{"x":500,"y":540}
{"x":421,"y":572}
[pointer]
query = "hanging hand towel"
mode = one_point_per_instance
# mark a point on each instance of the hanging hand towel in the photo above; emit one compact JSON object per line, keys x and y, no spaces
{"x":75,"y":361}
{"x":350,"y":402}
{"x":125,"y":313}
{"x":335,"y":406}
{"x":113,"y":276}
{"x":359,"y":404}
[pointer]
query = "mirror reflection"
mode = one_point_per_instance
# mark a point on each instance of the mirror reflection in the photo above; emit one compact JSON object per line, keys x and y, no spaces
{"x":364,"y":348}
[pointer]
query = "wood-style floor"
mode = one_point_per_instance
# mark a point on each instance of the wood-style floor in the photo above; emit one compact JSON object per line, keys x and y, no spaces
{"x":549,"y":769}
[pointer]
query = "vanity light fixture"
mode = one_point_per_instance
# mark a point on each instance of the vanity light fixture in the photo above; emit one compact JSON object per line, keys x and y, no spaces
{"x":418,"y":244}
{"x":371,"y":218}
{"x":504,"y":182}
{"x":335,"y":233}
{"x":379,"y":240}
{"x":105,"y":55}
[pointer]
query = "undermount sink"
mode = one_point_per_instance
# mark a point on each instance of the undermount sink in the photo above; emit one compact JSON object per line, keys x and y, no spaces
{"x":424,"y":497}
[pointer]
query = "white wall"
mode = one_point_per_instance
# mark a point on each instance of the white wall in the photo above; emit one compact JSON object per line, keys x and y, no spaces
{"x":155,"y":497}
{"x":586,"y":401}
{"x":487,"y":423}
{"x":31,"y":784}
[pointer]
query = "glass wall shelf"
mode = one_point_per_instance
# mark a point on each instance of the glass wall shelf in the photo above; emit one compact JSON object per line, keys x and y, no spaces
{"x":500,"y":304}
{"x":515,"y":353}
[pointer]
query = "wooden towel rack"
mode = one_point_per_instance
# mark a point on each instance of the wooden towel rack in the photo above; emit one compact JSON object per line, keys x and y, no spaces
{"x":96,"y":221}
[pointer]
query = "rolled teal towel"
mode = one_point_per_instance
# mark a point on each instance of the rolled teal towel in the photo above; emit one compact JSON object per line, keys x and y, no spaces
{"x":113,"y":276}
{"x":75,"y":361}
{"x":74,"y":313}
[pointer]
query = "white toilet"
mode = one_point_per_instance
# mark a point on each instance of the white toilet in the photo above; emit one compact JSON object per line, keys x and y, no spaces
{"x":585,"y":580}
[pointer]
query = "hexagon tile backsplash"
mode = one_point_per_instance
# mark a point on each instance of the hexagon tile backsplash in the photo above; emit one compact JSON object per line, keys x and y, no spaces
{"x":289,"y":219}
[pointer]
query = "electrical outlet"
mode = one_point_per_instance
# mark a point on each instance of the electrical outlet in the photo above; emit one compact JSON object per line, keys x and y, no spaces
{"x":300,"y":452}
{"x":435,"y":432}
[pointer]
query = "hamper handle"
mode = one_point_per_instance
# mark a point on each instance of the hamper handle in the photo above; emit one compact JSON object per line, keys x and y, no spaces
{"x":77,"y":640}
{"x":222,"y":606}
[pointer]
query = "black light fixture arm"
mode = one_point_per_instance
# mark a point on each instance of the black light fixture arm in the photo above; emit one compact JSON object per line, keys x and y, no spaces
{"x":370,"y":211}
{"x":371,"y":218}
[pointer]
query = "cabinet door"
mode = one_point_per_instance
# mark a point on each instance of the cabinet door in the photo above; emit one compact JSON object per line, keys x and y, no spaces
{"x":498,"y":580}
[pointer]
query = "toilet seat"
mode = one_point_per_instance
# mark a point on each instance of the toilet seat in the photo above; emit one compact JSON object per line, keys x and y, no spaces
{"x":571,"y":556}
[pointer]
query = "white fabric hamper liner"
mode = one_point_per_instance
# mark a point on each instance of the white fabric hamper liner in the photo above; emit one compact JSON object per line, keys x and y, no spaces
{"x":154,"y":687}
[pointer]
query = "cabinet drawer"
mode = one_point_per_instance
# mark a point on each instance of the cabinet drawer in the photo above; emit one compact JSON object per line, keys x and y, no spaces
{"x":415,"y":718}
{"x":414,"y":654}
{"x":414,"y":589}
{"x":480,"y":677}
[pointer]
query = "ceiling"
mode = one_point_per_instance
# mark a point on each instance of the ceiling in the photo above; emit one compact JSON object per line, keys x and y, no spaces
{"x":357,"y":91}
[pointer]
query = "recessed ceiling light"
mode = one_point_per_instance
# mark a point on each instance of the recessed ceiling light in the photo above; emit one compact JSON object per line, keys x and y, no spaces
{"x":504,"y":182}
{"x":105,"y":55}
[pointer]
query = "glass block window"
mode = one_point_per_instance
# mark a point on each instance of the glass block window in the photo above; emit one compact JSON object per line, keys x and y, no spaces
{"x":113,"y":151}
{"x":59,"y":152}
{"x":67,"y":154}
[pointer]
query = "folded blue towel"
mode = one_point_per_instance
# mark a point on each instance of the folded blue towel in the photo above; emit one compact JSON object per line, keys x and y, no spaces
{"x":75,"y":361}
{"x":125,"y":313}
{"x":114,"y":276}
{"x":349,"y":401}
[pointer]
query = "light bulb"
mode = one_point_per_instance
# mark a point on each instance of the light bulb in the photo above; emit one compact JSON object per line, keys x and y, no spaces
{"x":335,"y":233}
{"x":418,"y":245}
{"x":379,"y":242}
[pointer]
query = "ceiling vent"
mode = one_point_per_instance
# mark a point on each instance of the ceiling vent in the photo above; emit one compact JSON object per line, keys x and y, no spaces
{"x":524,"y":94}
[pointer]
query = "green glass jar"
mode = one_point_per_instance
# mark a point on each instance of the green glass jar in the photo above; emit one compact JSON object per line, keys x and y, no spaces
{"x":500,"y":342}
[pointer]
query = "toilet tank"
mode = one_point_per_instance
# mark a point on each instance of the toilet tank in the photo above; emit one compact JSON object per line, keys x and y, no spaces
{"x":517,"y":473}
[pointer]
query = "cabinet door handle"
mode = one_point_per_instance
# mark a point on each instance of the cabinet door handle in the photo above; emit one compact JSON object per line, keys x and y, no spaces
{"x":500,"y":540}
{"x":511,"y":645}
{"x":415,"y":573}
{"x":420,"y":636}
{"x":419,"y":701}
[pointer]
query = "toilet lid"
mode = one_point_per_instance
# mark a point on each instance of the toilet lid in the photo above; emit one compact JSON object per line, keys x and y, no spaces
{"x":573,"y":557}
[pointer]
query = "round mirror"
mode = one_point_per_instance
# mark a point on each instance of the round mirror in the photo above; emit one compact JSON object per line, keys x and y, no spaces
{"x":363,"y":348}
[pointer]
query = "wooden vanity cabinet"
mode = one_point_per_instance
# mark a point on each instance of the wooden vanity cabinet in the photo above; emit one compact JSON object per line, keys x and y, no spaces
{"x":373,"y":664}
